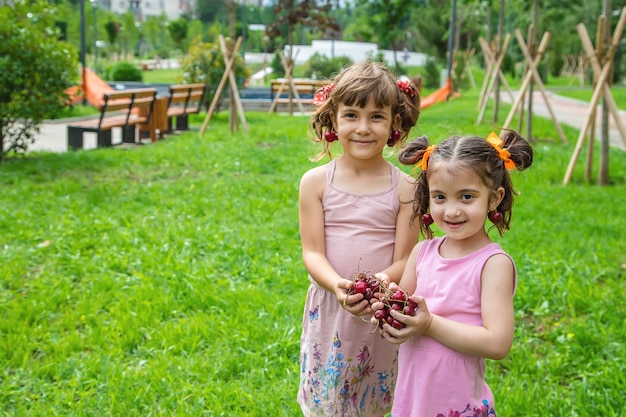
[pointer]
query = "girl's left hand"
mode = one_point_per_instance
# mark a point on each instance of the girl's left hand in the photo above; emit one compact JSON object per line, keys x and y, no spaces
{"x":414,"y":325}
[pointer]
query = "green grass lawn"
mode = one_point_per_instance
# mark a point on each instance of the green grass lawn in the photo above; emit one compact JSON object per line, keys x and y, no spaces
{"x":162,"y":76}
{"x":618,"y":92}
{"x":166,"y":279}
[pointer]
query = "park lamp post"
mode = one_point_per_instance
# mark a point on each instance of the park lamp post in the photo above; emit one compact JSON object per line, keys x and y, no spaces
{"x":94,"y":6}
{"x":82,"y":50}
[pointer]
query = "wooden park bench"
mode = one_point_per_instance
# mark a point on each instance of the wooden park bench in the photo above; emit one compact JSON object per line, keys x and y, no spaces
{"x":184,"y":99}
{"x":125,"y":109}
{"x":305,"y":88}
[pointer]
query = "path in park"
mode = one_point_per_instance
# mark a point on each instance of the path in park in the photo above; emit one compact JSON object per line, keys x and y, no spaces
{"x":571,"y":112}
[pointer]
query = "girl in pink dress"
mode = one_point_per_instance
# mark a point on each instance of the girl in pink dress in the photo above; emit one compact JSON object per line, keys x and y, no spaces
{"x":462,"y":282}
{"x":354,"y":217}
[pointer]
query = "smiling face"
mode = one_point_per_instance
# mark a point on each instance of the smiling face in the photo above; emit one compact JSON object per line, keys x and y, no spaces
{"x":459,"y":202}
{"x":363,"y":131}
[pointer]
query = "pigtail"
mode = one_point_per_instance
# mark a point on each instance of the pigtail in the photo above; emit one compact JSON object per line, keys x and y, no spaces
{"x":519,"y":148}
{"x":321,"y":121}
{"x":413,"y":153}
{"x":521,"y":153}
{"x":409,"y":111}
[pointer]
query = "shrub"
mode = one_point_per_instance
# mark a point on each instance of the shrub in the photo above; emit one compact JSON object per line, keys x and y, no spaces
{"x":320,"y":66}
{"x":36,"y":69}
{"x":460,"y":80}
{"x":125,"y":71}
{"x":205,"y":64}
{"x":278,"y":70}
{"x":431,"y":78}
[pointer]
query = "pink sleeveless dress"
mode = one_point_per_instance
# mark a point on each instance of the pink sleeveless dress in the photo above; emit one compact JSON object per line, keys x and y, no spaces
{"x":434,"y":380}
{"x":347,"y":368}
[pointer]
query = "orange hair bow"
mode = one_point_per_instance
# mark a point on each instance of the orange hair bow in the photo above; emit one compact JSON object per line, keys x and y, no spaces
{"x":425,"y":157}
{"x":494,"y":140}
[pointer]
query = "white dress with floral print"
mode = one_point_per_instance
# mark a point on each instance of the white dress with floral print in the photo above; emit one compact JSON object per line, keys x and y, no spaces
{"x":347,"y":368}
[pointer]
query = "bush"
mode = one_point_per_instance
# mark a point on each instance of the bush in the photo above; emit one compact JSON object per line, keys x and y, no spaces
{"x":278,"y":70}
{"x":125,"y":71}
{"x":320,"y":66}
{"x":36,"y":69}
{"x":205,"y":64}
{"x":431,"y":78}
{"x":459,"y":79}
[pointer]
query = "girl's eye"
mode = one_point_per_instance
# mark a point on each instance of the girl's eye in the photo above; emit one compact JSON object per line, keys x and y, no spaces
{"x":437,"y":197}
{"x":466,"y":197}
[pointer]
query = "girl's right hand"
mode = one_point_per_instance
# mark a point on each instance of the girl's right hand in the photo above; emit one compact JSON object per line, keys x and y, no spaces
{"x":385,"y":281}
{"x":354,"y":303}
{"x":414,"y":325}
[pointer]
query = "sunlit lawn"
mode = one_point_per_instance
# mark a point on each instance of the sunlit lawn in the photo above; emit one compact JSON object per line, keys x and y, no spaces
{"x":166,"y":280}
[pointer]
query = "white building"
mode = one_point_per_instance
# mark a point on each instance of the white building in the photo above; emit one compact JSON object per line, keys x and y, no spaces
{"x":142,"y":9}
{"x":356,"y":51}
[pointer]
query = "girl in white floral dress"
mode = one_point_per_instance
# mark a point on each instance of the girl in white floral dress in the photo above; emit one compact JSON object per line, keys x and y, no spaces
{"x":354,"y":217}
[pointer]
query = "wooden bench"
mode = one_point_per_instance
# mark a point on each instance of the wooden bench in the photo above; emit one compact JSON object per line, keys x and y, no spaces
{"x":305,"y":88}
{"x":184,"y":99}
{"x":124,"y":109}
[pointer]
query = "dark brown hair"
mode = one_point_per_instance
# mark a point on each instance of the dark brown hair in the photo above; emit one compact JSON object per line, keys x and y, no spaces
{"x":469,"y":153}
{"x":355,"y":85}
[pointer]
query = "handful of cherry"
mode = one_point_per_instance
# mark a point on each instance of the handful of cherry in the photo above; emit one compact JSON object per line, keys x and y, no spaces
{"x":372,"y":287}
{"x":368,"y":285}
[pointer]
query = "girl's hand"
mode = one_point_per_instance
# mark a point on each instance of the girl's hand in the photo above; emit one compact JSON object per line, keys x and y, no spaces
{"x":414,"y":325}
{"x":383,"y":277}
{"x":354,"y":303}
{"x":385,"y":280}
{"x":376,"y":305}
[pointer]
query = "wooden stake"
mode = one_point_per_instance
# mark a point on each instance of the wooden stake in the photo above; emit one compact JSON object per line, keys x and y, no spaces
{"x":597,"y":92}
{"x":535,"y":74}
{"x":216,"y":97}
{"x":233,"y":85}
{"x":532,"y":74}
{"x":496,"y":72}
{"x":288,"y":80}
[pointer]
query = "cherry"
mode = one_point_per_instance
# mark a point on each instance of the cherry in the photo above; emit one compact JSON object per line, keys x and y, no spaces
{"x":380,"y":314}
{"x":397,"y":300}
{"x":368,"y":293}
{"x":397,"y":306}
{"x":409,"y":310}
{"x":397,"y":325}
{"x":331,"y":136}
{"x":360,"y":287}
{"x":495,"y":216}
{"x":399,"y":295}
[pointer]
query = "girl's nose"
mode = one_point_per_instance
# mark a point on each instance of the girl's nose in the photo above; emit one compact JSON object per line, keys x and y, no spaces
{"x":452,"y":210}
{"x":363,"y":127}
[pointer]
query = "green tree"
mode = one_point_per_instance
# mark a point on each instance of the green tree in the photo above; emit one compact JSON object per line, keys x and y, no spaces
{"x":156,"y":38}
{"x":208,"y":10}
{"x":112,"y":28}
{"x":35,"y":71}
{"x":178,"y":31}
{"x":386,"y":22}
{"x":129,"y":35}
{"x":291,"y":14}
{"x":431,"y":22}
